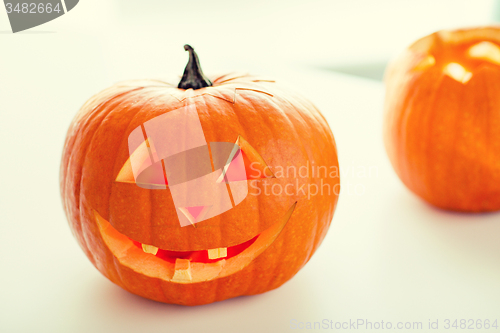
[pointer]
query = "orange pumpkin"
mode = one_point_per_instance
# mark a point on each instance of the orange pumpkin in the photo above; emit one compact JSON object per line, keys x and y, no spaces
{"x":202,"y":192}
{"x":442,"y":118}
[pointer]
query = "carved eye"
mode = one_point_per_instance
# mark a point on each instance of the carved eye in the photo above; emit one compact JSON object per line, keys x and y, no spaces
{"x":236,"y":161}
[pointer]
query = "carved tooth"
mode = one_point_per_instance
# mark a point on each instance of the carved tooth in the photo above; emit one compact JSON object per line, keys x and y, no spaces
{"x":150,"y":249}
{"x":182,"y":270}
{"x":217,"y":253}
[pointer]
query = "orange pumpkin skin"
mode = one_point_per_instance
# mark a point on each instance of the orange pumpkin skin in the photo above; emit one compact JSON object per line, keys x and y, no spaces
{"x":285,"y":129}
{"x":442,"y":119}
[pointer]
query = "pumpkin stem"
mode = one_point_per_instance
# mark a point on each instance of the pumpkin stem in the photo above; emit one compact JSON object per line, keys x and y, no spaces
{"x":193,"y":77}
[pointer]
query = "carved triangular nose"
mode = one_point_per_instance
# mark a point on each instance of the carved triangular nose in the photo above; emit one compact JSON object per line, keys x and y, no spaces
{"x":195,"y":214}
{"x":195,"y":211}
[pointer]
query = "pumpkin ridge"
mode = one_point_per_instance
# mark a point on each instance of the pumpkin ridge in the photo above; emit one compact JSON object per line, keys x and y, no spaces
{"x":286,"y":113}
{"x":315,"y":232}
{"x":431,"y":116}
{"x":88,"y":119}
{"x":78,"y":191}
{"x":126,"y":130}
{"x":263,"y":120}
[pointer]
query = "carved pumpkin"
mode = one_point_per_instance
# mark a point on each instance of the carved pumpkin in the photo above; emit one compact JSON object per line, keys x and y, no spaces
{"x":201,"y":192}
{"x":442,"y":118}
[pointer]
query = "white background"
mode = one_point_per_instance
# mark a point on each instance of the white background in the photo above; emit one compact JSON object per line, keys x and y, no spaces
{"x":388,"y":256}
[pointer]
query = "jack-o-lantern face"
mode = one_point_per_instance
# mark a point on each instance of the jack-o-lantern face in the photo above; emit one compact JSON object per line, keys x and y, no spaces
{"x":191,"y":196}
{"x":204,"y":181}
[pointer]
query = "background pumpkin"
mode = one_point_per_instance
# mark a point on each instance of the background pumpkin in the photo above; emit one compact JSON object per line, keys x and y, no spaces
{"x":442,"y":118}
{"x":283,"y":128}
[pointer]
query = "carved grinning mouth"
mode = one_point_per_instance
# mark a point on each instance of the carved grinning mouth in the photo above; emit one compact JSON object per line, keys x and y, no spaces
{"x":187,"y":266}
{"x":205,"y":179}
{"x":204,"y":256}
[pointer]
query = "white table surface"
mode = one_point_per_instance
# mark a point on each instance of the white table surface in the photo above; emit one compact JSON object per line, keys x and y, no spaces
{"x":387,"y":256}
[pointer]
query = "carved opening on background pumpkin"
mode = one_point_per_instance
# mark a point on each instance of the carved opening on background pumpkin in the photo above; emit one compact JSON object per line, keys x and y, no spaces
{"x":457,"y":72}
{"x":458,"y":53}
{"x":486,"y":51}
{"x":427,"y":62}
{"x":180,"y":267}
